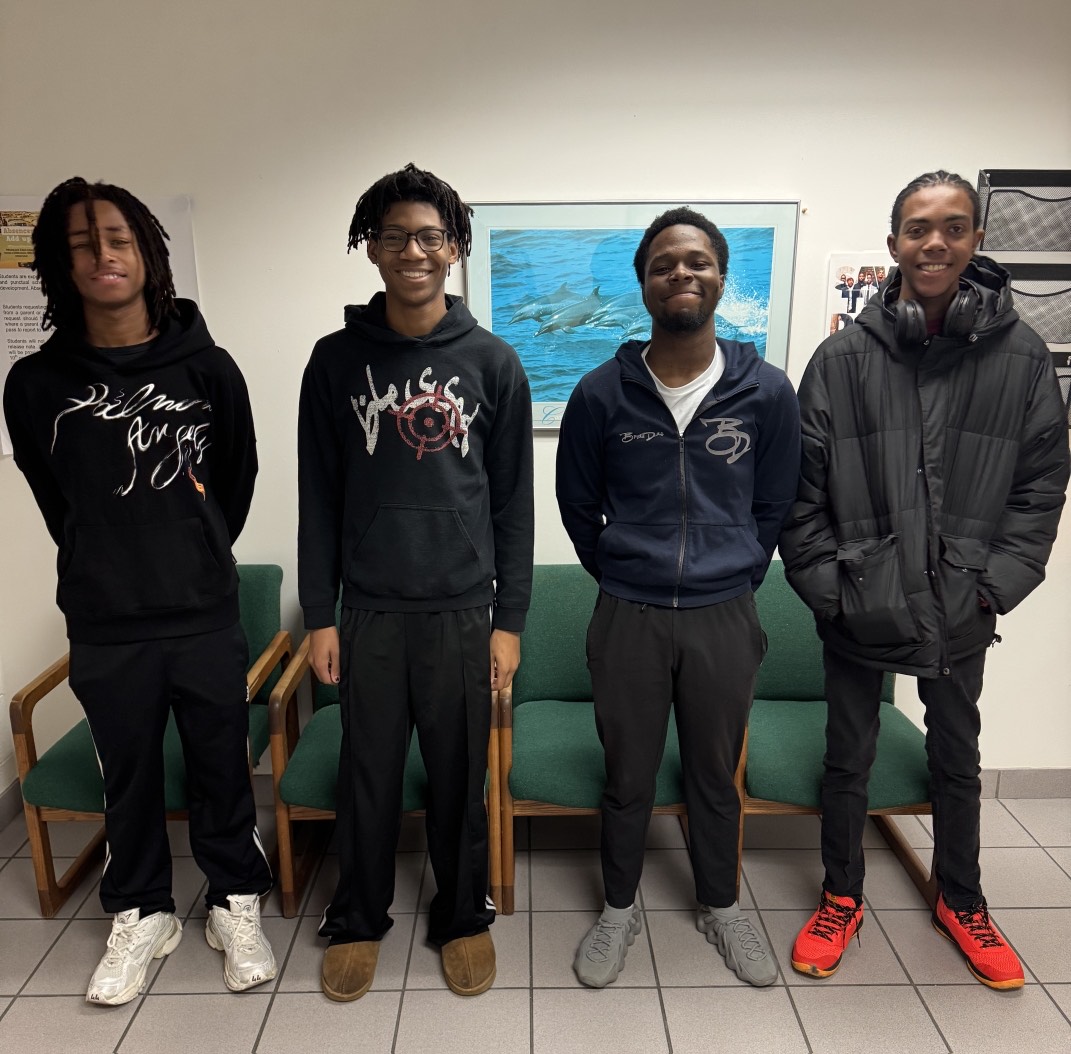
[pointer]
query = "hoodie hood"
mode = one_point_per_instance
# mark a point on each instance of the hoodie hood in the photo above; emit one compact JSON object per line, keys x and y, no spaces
{"x":369,"y":321}
{"x":990,"y":282}
{"x":181,"y":336}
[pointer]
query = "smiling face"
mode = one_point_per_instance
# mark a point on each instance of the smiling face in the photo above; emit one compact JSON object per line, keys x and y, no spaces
{"x":682,"y":281}
{"x":934,"y":244}
{"x":414,"y":278}
{"x":106,"y":265}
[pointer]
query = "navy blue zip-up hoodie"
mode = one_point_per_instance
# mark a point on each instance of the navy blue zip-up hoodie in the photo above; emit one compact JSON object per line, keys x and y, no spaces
{"x":678,"y":520}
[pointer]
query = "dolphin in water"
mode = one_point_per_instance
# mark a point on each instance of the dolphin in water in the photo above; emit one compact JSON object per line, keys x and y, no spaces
{"x":571,"y":315}
{"x":541,"y":306}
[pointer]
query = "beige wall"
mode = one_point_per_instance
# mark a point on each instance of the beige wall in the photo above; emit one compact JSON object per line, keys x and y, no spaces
{"x":274,"y":116}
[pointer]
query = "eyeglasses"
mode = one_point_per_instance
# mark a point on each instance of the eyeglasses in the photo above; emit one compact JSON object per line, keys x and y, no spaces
{"x":395,"y":239}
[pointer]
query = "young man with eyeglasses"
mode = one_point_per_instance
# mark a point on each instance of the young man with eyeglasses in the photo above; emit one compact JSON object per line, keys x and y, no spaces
{"x":416,"y":495}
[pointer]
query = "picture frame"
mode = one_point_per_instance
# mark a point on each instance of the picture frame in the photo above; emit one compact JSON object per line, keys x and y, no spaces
{"x":556,"y":280}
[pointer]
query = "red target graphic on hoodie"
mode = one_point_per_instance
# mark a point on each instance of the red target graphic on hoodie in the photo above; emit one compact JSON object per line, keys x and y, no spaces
{"x":430,"y":422}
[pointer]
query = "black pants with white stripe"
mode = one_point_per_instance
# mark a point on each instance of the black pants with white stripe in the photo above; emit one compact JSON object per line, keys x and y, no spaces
{"x":703,"y":661}
{"x":127,"y":691}
{"x":399,"y":671}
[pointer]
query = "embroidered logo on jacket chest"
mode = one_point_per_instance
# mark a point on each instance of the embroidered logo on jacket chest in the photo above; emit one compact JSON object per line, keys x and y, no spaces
{"x":429,"y":421}
{"x":728,"y":441}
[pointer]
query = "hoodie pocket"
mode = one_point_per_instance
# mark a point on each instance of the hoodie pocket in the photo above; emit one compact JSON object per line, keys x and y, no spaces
{"x":416,"y":552}
{"x":873,"y":603}
{"x":130,"y":569}
{"x":962,"y":561}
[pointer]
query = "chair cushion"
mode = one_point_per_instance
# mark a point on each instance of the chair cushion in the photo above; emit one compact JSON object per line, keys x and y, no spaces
{"x":557,"y":757}
{"x":311,"y":776}
{"x":786,"y":745}
{"x":258,"y":600}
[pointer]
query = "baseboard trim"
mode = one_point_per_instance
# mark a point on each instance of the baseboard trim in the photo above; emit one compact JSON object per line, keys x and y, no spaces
{"x":10,"y":804}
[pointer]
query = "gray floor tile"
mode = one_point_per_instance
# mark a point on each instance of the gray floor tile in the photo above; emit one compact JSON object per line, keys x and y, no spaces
{"x":24,"y":943}
{"x":408,"y":872}
{"x":302,"y":1022}
{"x":18,"y":890}
{"x":565,"y":880}
{"x":1024,"y":878}
{"x":302,"y":970}
{"x":916,"y":834}
{"x":5,"y":1002}
{"x":555,"y":938}
{"x":1062,"y":858}
{"x":510,"y":934}
{"x":928,"y":957}
{"x":61,"y":1026}
{"x":222,"y":1024}
{"x":565,"y":832}
{"x":784,"y":878}
{"x":667,"y":882}
{"x":13,"y":838}
{"x":682,"y":955}
{"x":67,"y":839}
{"x":863,"y":1020}
{"x":578,"y":1022}
{"x":716,"y":1020}
{"x":69,"y":965}
{"x":1042,"y":939}
{"x":1047,"y":819}
{"x":870,"y":960}
{"x":195,"y":968}
{"x":497,"y":1022}
{"x":887,"y":883}
{"x":981,"y":1021}
{"x":1001,"y":829}
{"x":1061,"y":995}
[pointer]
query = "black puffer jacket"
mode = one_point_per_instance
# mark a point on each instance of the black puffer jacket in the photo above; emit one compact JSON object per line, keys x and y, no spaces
{"x":932,"y":475}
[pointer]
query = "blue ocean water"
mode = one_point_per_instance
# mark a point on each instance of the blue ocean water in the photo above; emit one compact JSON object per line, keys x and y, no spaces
{"x":579,"y":288}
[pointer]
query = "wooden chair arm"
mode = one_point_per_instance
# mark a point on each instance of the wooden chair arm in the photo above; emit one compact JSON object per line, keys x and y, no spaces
{"x":505,"y":708}
{"x":278,"y":651}
{"x":22,"y":707}
{"x":285,"y":690}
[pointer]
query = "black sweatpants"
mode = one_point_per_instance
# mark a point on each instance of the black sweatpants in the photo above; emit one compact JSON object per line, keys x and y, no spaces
{"x":127,"y":691}
{"x":703,"y":661}
{"x":953,"y":723}
{"x":430,"y":670}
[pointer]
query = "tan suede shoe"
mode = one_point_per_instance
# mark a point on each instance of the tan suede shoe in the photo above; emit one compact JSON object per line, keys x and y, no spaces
{"x":469,"y":964}
{"x":348,"y":970}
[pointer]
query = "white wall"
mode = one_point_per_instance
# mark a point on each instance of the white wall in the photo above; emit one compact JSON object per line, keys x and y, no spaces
{"x":274,"y":116}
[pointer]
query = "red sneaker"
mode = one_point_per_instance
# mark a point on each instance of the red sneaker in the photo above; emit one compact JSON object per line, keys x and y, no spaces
{"x":989,"y":956}
{"x":820,"y":945}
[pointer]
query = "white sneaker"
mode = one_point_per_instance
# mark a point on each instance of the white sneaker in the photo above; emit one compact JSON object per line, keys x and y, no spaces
{"x":133,"y":944}
{"x":248,"y":958}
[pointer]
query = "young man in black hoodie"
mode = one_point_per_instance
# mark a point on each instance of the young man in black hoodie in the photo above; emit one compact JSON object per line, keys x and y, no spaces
{"x":415,"y":480}
{"x":134,"y":432}
{"x":677,"y":462}
{"x":935,"y":461}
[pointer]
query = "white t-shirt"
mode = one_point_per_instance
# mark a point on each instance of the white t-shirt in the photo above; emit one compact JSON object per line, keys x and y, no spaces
{"x":684,"y":401}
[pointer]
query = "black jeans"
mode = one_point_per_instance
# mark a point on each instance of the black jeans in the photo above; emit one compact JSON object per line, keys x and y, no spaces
{"x":952,"y":726}
{"x":430,"y":670}
{"x":703,"y":662}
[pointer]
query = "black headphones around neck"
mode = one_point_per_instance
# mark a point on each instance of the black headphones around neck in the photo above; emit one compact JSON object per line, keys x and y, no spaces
{"x":910,"y":324}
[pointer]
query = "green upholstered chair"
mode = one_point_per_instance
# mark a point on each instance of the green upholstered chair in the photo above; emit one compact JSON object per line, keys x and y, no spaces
{"x":552,"y":760}
{"x":64,"y":783}
{"x":786,"y":732}
{"x":305,"y":776}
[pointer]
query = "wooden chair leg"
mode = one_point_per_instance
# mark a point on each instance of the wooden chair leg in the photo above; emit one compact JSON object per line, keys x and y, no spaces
{"x":285,"y":846}
{"x":53,"y":893}
{"x":924,"y":878}
{"x":494,"y":820}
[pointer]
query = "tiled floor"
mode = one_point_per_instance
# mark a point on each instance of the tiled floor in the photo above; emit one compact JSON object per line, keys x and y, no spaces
{"x":902,"y":989}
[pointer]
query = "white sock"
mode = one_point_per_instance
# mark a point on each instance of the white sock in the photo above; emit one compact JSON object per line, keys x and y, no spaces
{"x":617,"y":915}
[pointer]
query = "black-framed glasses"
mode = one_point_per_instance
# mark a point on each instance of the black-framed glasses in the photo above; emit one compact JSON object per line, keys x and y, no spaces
{"x":395,"y":239}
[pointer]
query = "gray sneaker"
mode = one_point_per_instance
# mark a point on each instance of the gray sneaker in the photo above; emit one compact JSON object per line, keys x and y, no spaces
{"x":743,"y":946}
{"x":601,"y":955}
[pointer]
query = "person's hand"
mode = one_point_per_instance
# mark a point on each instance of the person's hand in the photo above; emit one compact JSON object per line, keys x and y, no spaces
{"x":505,"y":658}
{"x":323,"y":654}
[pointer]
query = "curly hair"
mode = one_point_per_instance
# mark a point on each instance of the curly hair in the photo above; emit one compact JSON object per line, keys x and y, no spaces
{"x":935,"y":179}
{"x":411,"y":184}
{"x":687,"y":217}
{"x":52,"y":252}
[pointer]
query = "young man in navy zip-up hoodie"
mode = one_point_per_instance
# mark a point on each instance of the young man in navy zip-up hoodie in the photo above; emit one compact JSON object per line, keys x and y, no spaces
{"x":677,"y":462}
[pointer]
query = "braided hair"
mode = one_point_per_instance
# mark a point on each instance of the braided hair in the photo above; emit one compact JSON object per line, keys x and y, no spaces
{"x":52,"y":252}
{"x":935,"y":179}
{"x":411,"y":184}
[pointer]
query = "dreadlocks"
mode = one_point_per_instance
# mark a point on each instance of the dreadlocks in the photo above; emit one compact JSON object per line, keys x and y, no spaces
{"x":940,"y":178}
{"x":52,"y":253}
{"x":411,"y":184}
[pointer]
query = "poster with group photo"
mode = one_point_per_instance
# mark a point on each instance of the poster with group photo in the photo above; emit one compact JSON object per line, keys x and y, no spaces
{"x":853,"y":279}
{"x":21,"y":302}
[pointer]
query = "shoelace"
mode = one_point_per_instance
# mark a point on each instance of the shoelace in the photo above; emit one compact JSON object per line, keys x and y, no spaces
{"x":604,"y":936}
{"x":121,"y":942}
{"x":831,"y":918}
{"x":975,"y":920}
{"x":244,"y":928}
{"x":749,"y":939}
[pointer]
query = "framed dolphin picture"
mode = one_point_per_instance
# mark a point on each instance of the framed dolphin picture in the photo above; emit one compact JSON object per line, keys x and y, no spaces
{"x":556,"y":280}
